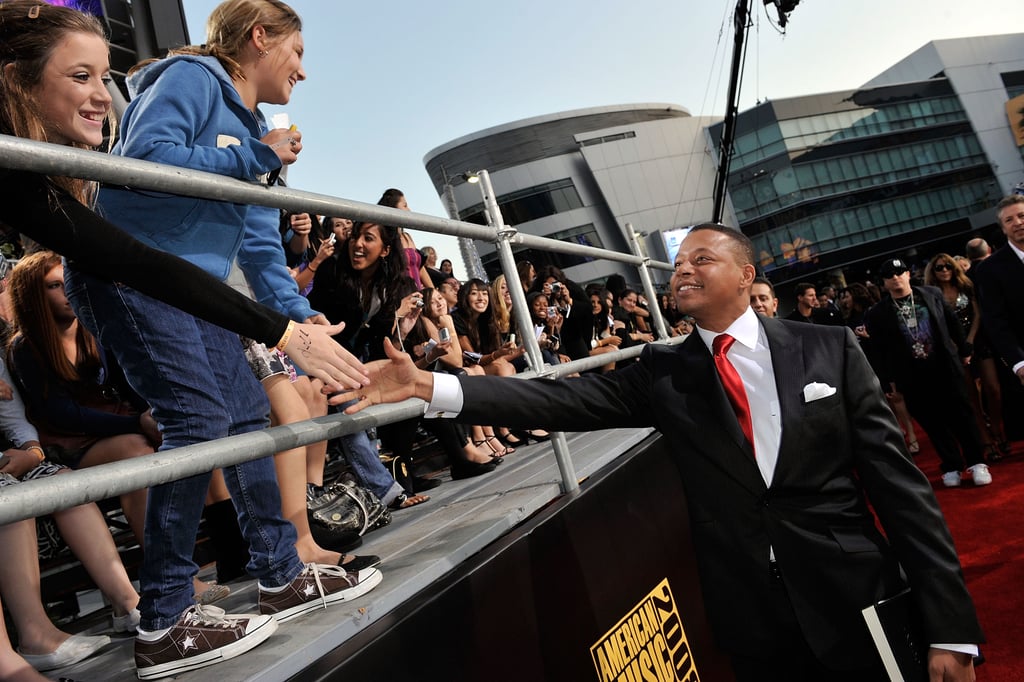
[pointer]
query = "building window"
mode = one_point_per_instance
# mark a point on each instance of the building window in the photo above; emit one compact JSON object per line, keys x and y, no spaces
{"x":805,"y":239}
{"x":1013,"y":81}
{"x":758,"y":194}
{"x":529,"y":204}
{"x":608,"y":138}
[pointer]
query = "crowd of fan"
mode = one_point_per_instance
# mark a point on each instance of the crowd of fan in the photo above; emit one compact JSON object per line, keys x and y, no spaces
{"x":65,"y":403}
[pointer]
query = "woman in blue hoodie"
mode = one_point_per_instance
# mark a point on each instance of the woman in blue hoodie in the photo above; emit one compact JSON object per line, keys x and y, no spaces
{"x":198,"y":109}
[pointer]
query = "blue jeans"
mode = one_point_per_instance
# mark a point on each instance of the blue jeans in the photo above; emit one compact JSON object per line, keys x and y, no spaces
{"x":195,"y":378}
{"x":362,"y":456}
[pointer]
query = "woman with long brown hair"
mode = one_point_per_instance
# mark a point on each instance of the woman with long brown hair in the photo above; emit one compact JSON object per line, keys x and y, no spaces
{"x":55,"y":67}
{"x":943,"y":271}
{"x":77,"y":397}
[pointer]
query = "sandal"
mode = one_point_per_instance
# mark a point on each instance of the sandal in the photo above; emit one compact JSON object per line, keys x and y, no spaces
{"x":405,"y":500}
{"x":510,"y":439}
{"x":358,"y":563}
{"x":532,"y":434}
{"x":211,"y":594}
{"x":496,"y":452}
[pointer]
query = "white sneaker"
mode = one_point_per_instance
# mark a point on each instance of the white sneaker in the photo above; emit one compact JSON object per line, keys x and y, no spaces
{"x":951,"y":479}
{"x":980,"y":474}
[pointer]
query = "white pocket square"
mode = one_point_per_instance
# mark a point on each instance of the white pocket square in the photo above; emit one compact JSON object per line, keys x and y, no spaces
{"x":815,"y":391}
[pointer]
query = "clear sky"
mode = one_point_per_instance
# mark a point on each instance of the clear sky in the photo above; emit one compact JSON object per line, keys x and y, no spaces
{"x":388,"y":82}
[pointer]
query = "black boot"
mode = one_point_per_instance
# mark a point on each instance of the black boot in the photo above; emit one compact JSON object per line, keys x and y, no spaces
{"x":462,"y":468}
{"x":230,"y":549}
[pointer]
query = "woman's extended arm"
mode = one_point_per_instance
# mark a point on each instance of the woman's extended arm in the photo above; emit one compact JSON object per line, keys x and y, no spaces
{"x":30,"y":204}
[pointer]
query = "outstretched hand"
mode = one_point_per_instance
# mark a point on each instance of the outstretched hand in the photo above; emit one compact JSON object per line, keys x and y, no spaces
{"x":313,"y":351}
{"x":391,"y":381}
{"x":950,"y":666}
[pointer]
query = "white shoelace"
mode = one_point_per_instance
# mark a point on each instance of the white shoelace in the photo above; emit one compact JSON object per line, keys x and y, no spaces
{"x":323,"y":569}
{"x":211,"y":616}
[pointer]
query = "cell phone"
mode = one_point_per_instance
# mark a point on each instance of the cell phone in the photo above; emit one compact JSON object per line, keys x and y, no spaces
{"x":333,"y":238}
{"x":512,"y":338}
{"x":4,"y":459}
{"x":472,"y":357}
{"x":444,"y":335}
{"x":429,"y":346}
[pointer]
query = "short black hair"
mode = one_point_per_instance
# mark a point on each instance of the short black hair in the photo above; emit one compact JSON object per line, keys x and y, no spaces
{"x":802,"y":288}
{"x":744,"y":247}
{"x":764,"y":280}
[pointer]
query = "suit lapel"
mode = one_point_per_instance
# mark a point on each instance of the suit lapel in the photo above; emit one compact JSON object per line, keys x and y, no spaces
{"x":713,"y":424}
{"x":787,"y":351}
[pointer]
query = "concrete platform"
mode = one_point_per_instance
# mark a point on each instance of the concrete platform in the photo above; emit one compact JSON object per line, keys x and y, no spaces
{"x":422,"y":544}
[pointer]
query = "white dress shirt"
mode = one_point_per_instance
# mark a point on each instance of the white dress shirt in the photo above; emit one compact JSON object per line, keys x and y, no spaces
{"x":753,"y":362}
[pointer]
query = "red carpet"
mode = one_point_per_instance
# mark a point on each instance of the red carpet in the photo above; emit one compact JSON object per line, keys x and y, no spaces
{"x":987,"y":527}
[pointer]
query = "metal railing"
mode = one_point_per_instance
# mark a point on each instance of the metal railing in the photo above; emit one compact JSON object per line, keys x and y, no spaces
{"x":34,"y":498}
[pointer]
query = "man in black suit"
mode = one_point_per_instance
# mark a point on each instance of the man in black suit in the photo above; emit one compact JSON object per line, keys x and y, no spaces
{"x":808,"y":310}
{"x":788,"y":550}
{"x":918,"y":348}
{"x":1000,"y":280}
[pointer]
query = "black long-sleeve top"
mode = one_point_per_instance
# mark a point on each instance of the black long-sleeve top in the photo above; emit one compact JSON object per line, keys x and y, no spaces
{"x":32,"y":205}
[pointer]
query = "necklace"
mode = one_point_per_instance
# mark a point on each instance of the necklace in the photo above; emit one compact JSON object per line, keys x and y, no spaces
{"x":907,"y":313}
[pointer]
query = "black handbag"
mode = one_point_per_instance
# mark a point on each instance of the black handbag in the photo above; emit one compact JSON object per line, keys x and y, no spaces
{"x":346,"y":506}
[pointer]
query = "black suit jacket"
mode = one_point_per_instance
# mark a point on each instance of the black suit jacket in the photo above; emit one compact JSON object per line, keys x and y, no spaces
{"x":1000,"y":280}
{"x":832,"y":557}
{"x":891,"y":355}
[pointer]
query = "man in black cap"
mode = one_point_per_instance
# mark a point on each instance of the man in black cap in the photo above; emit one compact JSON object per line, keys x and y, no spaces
{"x":918,"y":348}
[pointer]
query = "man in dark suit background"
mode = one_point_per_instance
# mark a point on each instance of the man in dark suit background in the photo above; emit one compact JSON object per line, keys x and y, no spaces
{"x":1000,"y":282}
{"x":788,"y":550}
{"x":1000,"y":279}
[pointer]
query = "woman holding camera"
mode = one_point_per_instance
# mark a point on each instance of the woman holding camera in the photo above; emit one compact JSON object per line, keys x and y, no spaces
{"x":547,"y":322}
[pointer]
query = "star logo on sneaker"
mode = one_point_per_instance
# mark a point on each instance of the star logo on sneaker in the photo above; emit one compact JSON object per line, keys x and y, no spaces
{"x":189,"y":642}
{"x":309,"y":590}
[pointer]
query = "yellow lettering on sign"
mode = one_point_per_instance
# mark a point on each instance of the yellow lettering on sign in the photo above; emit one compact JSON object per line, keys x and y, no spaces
{"x":648,"y":644}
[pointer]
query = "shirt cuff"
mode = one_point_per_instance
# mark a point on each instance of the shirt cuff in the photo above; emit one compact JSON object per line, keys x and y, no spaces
{"x":1016,"y":368}
{"x":447,"y":398}
{"x":971,"y":649}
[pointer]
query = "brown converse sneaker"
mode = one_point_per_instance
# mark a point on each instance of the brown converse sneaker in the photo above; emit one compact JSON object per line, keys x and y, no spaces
{"x":204,"y":635}
{"x":318,"y":586}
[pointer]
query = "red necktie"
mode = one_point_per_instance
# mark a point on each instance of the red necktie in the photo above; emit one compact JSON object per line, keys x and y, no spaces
{"x":733,"y":384}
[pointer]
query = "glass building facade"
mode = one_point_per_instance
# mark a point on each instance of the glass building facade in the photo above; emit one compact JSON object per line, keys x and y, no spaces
{"x":822,"y":182}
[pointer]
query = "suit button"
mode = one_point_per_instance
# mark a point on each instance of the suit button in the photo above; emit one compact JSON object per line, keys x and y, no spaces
{"x":765,"y":500}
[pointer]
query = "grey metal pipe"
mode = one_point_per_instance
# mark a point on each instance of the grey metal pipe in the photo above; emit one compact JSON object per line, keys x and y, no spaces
{"x":44,"y":496}
{"x":522,"y":315}
{"x":645,"y":278}
{"x":60,"y":160}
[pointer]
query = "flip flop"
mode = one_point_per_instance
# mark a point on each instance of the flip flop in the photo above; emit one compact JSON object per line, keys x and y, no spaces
{"x":405,"y":501}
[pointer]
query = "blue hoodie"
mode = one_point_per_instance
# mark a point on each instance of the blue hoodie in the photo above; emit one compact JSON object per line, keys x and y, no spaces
{"x":185,"y":111}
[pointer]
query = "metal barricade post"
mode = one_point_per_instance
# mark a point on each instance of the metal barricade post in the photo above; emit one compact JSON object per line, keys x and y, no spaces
{"x":40,"y":497}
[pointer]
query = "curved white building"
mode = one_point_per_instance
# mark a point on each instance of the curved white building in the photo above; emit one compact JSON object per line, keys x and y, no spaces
{"x":582,"y":175}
